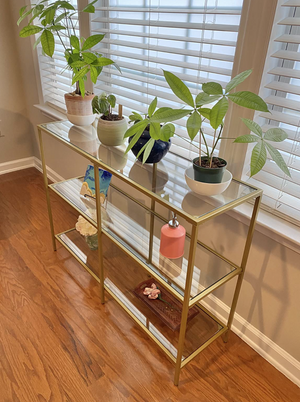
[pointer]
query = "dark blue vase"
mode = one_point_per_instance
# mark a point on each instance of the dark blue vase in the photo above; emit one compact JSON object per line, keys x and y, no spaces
{"x":158,"y":151}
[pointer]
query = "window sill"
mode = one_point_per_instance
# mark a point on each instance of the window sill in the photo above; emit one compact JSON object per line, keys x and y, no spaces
{"x":51,"y":112}
{"x":269,"y":225}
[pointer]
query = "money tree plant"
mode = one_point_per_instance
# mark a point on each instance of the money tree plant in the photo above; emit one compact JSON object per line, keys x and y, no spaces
{"x":198,"y":113}
{"x":49,"y":18}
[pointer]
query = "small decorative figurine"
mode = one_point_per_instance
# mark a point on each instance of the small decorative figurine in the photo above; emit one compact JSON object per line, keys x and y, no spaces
{"x":88,"y":231}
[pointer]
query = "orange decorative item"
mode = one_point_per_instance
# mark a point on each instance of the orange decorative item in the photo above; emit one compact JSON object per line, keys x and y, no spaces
{"x":172,"y":239}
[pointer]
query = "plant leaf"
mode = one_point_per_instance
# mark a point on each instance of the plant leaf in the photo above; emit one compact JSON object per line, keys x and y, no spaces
{"x":37,"y":42}
{"x":24,"y":16}
{"x":133,"y":141}
{"x":254,"y":127}
{"x":179,"y":88}
{"x":238,"y":79}
{"x":117,"y":67}
{"x":29,"y":30}
{"x":138,"y":127}
{"x":49,"y":15}
{"x":89,"y":57}
{"x":56,"y":28}
{"x":135,"y":117}
{"x":203,"y":99}
{"x":258,"y":158}
{"x":212,"y":88}
{"x":75,"y":42}
{"x":167,"y":115}
{"x":278,"y":159}
{"x":155,"y":130}
{"x":247,"y":138}
{"x":22,"y":10}
{"x":94,"y":74}
{"x":59,"y":18}
{"x":112,"y":100}
{"x":193,"y":124}
{"x":276,"y":135}
{"x":95,"y":104}
{"x":80,"y":74}
{"x":102,"y":61}
{"x":47,"y":41}
{"x":90,"y":8}
{"x":65,"y":4}
{"x":78,"y":64}
{"x":152,"y":107}
{"x":103,"y":105}
{"x":82,"y":87}
{"x":91,"y":41}
{"x":249,"y":100}
{"x":167,"y":131}
{"x":148,"y":149}
{"x":218,"y":112}
{"x":205,"y":112}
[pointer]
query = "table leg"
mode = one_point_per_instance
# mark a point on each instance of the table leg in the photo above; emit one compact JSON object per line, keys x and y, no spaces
{"x":243,"y":266}
{"x":185,"y":306}
{"x":47,"y":189}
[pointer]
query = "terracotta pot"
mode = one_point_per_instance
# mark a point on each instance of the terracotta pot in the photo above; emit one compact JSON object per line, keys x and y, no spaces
{"x":111,"y":133}
{"x":77,"y":105}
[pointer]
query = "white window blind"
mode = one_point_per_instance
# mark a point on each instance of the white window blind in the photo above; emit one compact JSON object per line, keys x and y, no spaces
{"x":282,"y":93}
{"x":195,"y":39}
{"x":56,"y":80}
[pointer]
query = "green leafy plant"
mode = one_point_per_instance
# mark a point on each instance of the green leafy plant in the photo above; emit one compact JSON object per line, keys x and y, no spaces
{"x":157,"y":121}
{"x":259,"y":152}
{"x":199,"y":112}
{"x":104,"y":104}
{"x":55,"y":17}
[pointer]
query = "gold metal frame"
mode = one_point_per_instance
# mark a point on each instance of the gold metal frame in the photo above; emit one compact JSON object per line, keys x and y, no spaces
{"x":186,"y":298}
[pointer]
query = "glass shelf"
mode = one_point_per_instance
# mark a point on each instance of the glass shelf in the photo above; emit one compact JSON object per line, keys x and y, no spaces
{"x":122,"y":275}
{"x":132,"y":231}
{"x":169,"y":183}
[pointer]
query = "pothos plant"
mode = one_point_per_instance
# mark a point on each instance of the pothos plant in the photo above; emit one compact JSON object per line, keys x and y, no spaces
{"x":49,"y":18}
{"x":161,"y":127}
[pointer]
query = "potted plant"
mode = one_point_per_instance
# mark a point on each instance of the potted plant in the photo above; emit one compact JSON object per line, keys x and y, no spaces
{"x":111,"y":126}
{"x":208,"y":168}
{"x":55,"y":18}
{"x":149,"y":139}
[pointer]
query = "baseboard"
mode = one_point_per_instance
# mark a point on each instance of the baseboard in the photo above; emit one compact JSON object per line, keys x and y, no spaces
{"x":52,"y":175}
{"x":268,"y":349}
{"x":17,"y":164}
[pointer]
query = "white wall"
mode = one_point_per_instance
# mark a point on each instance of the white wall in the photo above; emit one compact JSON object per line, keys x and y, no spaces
{"x":270,"y":295}
{"x":17,"y":130}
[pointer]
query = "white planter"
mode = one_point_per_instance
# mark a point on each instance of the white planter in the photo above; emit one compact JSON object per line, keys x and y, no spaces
{"x":111,"y":133}
{"x":81,"y":120}
{"x":208,"y":189}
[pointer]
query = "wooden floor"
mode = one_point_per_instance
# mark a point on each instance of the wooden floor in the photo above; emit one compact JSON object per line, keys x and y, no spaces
{"x":58,"y":343}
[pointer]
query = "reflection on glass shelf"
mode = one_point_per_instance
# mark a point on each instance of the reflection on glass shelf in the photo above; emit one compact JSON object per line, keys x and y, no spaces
{"x":132,"y":230}
{"x":122,"y":275}
{"x":170,"y":182}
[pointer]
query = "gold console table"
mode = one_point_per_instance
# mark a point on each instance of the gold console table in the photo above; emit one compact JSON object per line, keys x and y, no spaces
{"x":148,"y":193}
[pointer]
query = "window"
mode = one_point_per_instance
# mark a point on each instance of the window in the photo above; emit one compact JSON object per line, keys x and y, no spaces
{"x":194,"y":39}
{"x":55,"y":79}
{"x":281,"y":90}
{"x":197,"y":40}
